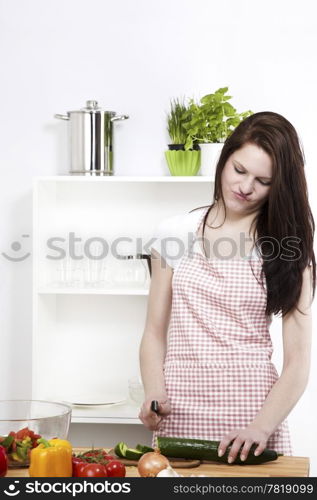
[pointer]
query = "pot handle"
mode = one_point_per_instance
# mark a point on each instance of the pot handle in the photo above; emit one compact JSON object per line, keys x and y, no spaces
{"x":62,"y":117}
{"x":119,"y":117}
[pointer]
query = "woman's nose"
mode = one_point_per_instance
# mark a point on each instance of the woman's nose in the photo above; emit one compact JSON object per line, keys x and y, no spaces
{"x":246,"y":187}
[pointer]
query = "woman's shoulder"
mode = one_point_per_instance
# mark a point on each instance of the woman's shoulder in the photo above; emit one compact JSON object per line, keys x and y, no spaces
{"x":180,"y":222}
{"x":173,"y":235}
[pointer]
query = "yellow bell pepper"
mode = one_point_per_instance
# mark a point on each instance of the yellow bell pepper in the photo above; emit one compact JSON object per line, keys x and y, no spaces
{"x":52,"y":458}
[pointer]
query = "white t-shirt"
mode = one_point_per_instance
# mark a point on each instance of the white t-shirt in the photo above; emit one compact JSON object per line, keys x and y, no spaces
{"x":175,"y":235}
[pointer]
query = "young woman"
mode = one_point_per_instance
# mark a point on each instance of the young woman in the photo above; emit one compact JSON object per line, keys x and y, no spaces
{"x":219,"y":273}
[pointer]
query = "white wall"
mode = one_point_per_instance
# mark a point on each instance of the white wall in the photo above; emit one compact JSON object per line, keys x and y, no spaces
{"x":133,"y":56}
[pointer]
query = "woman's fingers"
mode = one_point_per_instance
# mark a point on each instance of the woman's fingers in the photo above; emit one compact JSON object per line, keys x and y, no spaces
{"x":224,"y":443}
{"x":260,"y":448}
{"x":150,"y":423}
{"x":164,"y":408}
{"x":241,"y":441}
{"x":245,"y":450}
{"x":151,"y":419}
{"x":236,"y":446}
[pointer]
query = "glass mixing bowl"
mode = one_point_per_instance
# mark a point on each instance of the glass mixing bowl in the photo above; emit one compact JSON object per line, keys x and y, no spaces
{"x":22,"y":422}
{"x":136,"y":391}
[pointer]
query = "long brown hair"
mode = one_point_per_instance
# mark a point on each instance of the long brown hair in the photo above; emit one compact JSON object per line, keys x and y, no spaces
{"x":286,"y":212}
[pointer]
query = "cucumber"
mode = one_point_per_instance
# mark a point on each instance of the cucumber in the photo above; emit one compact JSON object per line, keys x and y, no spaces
{"x":22,"y":452}
{"x":133,"y":454}
{"x":120,"y":449}
{"x":144,"y":448}
{"x":7,"y":441}
{"x":201,"y":449}
{"x":14,"y":456}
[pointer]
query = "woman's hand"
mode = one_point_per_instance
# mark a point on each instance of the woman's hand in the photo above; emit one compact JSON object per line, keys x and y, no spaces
{"x":149,"y":418}
{"x":245,"y":438}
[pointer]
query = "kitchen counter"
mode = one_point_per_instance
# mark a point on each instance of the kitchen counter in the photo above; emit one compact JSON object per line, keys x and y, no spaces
{"x":282,"y":467}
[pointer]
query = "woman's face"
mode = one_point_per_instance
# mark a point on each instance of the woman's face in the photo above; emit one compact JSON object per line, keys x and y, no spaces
{"x":248,"y":173}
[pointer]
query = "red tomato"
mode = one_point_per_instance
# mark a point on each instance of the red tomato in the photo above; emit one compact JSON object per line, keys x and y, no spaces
{"x":115,"y":468}
{"x":79,"y":468}
{"x":23,"y":433}
{"x":77,"y":464}
{"x":3,"y":462}
{"x":92,"y":470}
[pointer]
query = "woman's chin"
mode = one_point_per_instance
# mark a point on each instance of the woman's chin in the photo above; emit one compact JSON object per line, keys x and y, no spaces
{"x":235,"y":206}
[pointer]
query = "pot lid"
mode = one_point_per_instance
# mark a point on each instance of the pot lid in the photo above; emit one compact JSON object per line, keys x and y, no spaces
{"x":92,"y":107}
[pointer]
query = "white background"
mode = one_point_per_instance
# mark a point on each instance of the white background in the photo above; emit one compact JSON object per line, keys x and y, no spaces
{"x":133,"y":56}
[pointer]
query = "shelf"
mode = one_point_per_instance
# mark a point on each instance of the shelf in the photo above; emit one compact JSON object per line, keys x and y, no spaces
{"x":81,"y":324}
{"x":92,"y":291}
{"x":124,"y":178}
{"x":121,"y":413}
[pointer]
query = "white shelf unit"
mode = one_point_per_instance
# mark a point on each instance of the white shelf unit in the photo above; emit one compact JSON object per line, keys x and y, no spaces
{"x":124,"y":413}
{"x":86,"y":340}
{"x":122,"y":178}
{"x":91,"y":291}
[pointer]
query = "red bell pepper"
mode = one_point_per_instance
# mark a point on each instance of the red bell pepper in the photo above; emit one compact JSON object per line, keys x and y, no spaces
{"x":3,"y":462}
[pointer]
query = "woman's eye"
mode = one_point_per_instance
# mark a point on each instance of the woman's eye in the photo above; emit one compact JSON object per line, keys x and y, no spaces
{"x":264,"y":183}
{"x":261,"y":182}
{"x":238,"y":171}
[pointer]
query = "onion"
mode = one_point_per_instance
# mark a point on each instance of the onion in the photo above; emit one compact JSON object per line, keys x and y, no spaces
{"x":152,"y":463}
{"x":168,"y":472}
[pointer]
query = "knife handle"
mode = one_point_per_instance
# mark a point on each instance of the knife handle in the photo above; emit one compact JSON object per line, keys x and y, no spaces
{"x":155,"y":406}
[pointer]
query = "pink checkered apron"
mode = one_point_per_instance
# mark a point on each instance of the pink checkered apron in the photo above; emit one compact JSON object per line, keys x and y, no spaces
{"x":218,"y":368}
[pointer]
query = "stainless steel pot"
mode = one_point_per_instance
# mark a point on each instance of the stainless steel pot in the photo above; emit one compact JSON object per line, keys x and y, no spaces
{"x":91,"y":139}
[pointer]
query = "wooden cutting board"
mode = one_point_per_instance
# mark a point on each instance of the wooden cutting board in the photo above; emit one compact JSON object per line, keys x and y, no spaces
{"x":282,"y":467}
{"x":175,"y":462}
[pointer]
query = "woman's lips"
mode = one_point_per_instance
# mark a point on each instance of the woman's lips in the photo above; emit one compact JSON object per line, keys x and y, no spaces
{"x":243,"y":198}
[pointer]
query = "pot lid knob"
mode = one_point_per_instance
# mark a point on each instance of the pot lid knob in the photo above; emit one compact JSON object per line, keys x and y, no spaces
{"x":92,"y":104}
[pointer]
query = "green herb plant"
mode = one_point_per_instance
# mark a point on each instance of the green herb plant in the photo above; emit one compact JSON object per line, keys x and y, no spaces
{"x":212,"y":119}
{"x":176,"y":119}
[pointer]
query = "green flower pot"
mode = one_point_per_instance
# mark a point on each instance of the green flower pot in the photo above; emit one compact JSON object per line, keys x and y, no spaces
{"x":183,"y":162}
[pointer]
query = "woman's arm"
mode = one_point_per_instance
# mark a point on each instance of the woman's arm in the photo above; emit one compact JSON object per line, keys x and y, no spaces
{"x":297,"y":332}
{"x":153,"y":344}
